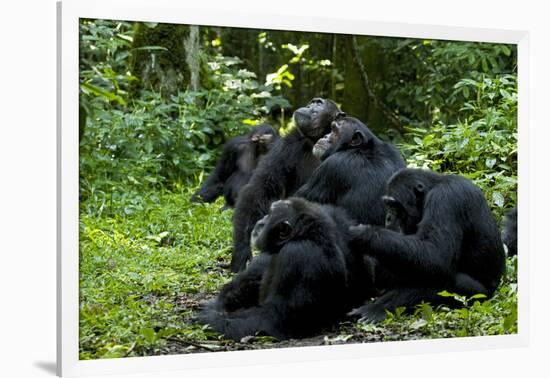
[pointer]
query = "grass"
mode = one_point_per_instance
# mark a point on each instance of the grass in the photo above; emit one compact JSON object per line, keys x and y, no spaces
{"x":148,"y":257}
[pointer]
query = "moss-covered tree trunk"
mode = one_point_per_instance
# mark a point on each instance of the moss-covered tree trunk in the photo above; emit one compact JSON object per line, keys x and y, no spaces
{"x":159,"y":57}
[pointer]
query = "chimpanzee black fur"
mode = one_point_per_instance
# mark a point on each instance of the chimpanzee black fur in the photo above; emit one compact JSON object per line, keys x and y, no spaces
{"x":296,"y":286}
{"x":510,"y":233}
{"x":439,"y":235}
{"x":281,"y":172}
{"x":235,"y":166}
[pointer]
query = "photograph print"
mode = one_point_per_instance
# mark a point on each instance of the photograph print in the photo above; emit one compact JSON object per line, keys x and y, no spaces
{"x":247,"y":189}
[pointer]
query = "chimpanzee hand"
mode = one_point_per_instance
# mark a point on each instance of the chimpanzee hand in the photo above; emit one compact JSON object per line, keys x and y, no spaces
{"x":360,"y":237}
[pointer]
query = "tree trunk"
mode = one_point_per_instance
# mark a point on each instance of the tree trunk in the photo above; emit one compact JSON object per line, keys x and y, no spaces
{"x":192,"y":46}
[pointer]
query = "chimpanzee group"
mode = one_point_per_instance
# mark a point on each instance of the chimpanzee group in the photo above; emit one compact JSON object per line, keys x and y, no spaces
{"x":344,"y":229}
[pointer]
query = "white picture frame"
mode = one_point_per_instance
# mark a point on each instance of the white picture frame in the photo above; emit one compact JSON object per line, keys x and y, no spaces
{"x":69,"y":12}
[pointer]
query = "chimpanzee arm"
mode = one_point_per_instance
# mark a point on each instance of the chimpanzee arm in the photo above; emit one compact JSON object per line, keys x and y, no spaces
{"x":412,"y":254}
{"x":243,"y":290}
{"x":431,"y":253}
{"x":267,"y":184}
{"x":328,"y":181}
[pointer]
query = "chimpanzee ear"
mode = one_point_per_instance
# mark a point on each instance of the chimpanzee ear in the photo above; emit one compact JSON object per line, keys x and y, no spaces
{"x":339,"y":116}
{"x":285,"y":229}
{"x":419,"y":188}
{"x":357,"y":139}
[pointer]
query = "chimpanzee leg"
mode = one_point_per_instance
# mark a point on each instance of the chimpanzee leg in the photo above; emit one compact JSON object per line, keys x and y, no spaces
{"x":243,"y":290}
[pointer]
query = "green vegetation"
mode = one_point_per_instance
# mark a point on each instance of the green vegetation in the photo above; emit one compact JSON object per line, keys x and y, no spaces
{"x":154,"y":118}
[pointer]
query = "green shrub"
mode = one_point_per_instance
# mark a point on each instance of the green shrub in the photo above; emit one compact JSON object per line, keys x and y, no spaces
{"x":154,"y":140}
{"x":481,"y":146}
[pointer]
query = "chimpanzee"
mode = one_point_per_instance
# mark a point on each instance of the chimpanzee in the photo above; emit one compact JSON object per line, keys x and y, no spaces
{"x":355,"y":168}
{"x":439,"y":235}
{"x":235,"y":166}
{"x":281,"y":172}
{"x":303,"y":281}
{"x":510,"y":232}
{"x":243,"y":290}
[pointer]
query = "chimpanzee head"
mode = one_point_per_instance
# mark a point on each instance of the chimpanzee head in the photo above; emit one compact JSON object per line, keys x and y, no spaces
{"x":404,"y":199}
{"x":263,"y":137}
{"x":314,"y":119}
{"x":289,"y":220}
{"x":346,"y":133}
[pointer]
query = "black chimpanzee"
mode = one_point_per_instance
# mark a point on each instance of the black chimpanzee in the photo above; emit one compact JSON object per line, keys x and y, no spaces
{"x":235,"y":166}
{"x":355,"y":168}
{"x":243,"y":290}
{"x":439,"y":235}
{"x":281,"y":172}
{"x":296,"y":286}
{"x":510,"y":232}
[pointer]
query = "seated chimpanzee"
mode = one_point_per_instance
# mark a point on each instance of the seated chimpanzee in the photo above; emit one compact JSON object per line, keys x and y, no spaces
{"x":243,"y":290}
{"x":296,"y":286}
{"x":440,"y":235}
{"x":281,"y":172}
{"x":355,"y":168}
{"x":235,"y":166}
{"x":510,"y":233}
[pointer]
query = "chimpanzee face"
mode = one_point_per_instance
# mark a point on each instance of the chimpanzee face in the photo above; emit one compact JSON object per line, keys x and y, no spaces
{"x":404,"y":201}
{"x":263,"y":137}
{"x":263,"y":134}
{"x":397,"y":218}
{"x":314,"y":119}
{"x":346,"y":133}
{"x":288,"y":220}
{"x":272,"y":231}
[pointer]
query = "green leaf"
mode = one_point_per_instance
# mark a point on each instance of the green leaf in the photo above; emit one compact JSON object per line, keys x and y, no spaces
{"x":445,"y":294}
{"x":498,"y":199}
{"x":115,"y":351}
{"x":149,"y":334}
{"x":484,"y":65}
{"x":466,"y":92}
{"x":418,"y":324}
{"x":510,"y":320}
{"x":505,"y":94}
{"x":100,"y":92}
{"x":478,"y":296}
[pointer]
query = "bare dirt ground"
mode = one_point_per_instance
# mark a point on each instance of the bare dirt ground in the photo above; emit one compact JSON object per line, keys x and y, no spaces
{"x":345,"y":333}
